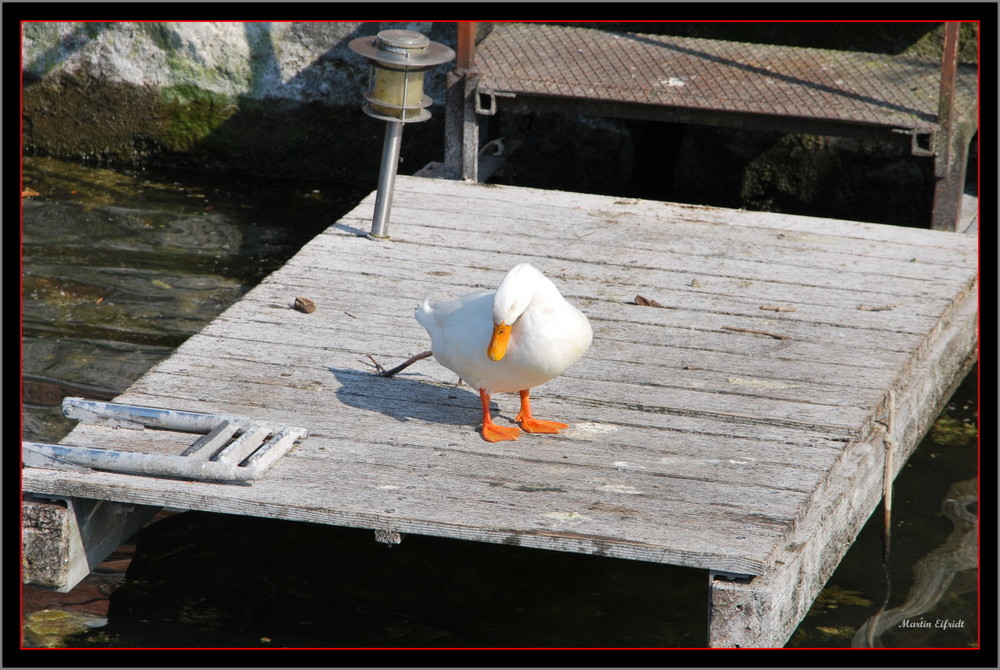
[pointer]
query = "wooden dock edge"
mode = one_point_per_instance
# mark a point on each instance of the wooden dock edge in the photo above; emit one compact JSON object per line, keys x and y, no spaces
{"x":64,"y":539}
{"x":968,"y":222}
{"x":764,"y":611}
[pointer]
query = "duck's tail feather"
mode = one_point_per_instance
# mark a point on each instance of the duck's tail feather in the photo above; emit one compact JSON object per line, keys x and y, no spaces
{"x":424,"y":312}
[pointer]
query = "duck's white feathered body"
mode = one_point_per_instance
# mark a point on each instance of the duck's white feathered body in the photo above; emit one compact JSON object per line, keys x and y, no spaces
{"x":547,"y":334}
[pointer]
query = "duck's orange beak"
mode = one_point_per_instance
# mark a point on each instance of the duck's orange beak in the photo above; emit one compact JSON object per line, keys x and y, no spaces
{"x":498,"y":343}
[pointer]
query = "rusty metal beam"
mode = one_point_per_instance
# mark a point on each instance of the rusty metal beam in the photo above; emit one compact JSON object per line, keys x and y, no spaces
{"x":952,"y":145}
{"x":946,"y":104}
{"x":466,"y":51}
{"x":461,"y":151}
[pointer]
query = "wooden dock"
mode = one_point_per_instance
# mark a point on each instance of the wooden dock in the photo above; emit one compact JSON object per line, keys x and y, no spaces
{"x":738,"y":429}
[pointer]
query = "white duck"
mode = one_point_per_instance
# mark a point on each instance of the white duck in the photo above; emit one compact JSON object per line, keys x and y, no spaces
{"x":512,"y":339}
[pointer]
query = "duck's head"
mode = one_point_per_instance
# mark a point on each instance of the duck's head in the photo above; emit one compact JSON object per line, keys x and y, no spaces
{"x":510,"y":301}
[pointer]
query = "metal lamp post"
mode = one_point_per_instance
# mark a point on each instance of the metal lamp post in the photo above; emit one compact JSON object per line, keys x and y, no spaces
{"x":395,"y":95}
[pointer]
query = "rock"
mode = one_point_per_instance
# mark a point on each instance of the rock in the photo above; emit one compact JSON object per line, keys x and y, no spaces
{"x":834,"y":177}
{"x":50,"y":628}
{"x":258,"y":97}
{"x":840,"y":178}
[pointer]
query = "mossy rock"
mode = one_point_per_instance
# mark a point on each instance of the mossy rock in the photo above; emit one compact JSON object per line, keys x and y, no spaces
{"x":860,"y":180}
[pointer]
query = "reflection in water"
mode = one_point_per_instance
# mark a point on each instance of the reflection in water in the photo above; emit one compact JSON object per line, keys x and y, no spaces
{"x":934,"y":573}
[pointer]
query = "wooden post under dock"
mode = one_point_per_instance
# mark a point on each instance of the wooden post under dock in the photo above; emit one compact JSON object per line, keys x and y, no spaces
{"x":739,"y":428}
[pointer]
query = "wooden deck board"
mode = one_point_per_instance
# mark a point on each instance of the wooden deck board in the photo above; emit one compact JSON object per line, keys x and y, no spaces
{"x":690,"y":442}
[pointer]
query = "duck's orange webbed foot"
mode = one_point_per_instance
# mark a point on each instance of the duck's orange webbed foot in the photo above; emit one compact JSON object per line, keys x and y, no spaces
{"x":529,"y":424}
{"x":494,"y":433}
{"x":491,"y":431}
{"x":539,"y":426}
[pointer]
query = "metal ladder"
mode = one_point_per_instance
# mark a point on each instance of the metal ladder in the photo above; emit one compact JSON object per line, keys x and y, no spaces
{"x":231,"y":448}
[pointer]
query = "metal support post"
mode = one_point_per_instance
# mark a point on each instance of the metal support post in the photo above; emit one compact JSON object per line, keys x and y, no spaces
{"x":387,"y":178}
{"x":952,"y":144}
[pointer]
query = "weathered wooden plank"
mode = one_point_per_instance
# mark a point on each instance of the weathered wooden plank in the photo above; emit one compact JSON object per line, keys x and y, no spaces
{"x":649,"y":369}
{"x":650,"y":222}
{"x":440,"y":275}
{"x":734,"y":386}
{"x":664,"y":338}
{"x":325,"y":385}
{"x":615,"y":396}
{"x":708,"y":239}
{"x":869,"y":327}
{"x":326,"y":336}
{"x":683,"y":267}
{"x":431,"y":420}
{"x":745,"y":263}
{"x":648,"y":343}
{"x":315,"y":340}
{"x":707,"y":435}
{"x":339,"y":460}
{"x":609,"y":446}
{"x":773,"y":265}
{"x":496,"y":511}
{"x":298,"y":363}
{"x":724,"y":250}
{"x":514,"y":514}
{"x":554,"y":206}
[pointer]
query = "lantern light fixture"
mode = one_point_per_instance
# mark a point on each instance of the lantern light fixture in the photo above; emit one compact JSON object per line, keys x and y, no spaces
{"x":395,"y":94}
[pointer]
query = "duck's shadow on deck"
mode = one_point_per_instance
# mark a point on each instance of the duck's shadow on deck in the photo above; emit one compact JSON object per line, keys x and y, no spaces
{"x":408,"y":396}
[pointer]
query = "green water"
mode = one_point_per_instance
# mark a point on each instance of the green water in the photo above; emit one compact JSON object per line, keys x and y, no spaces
{"x":121,"y":267}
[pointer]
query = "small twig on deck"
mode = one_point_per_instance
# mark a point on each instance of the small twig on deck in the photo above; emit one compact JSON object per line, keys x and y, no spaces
{"x":777,"y":308}
{"x":378,"y":366}
{"x":880,"y":308}
{"x":382,"y":372}
{"x":756,"y":332}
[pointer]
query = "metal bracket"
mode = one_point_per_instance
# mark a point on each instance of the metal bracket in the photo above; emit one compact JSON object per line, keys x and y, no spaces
{"x":233,"y":448}
{"x":717,"y":576}
{"x":492,"y":97}
{"x":921,"y":143}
